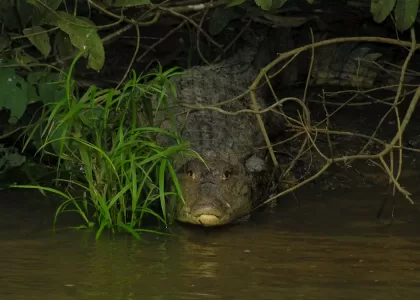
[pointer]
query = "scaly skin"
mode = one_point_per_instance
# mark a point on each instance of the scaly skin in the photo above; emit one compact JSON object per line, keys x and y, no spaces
{"x":339,"y":65}
{"x":214,"y":196}
{"x":235,"y":178}
{"x":226,"y":190}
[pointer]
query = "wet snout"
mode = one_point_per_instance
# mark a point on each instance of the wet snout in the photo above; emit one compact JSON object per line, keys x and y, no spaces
{"x":210,"y":209}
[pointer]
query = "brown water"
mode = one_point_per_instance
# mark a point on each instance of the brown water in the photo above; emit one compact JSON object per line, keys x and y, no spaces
{"x":330,"y":247}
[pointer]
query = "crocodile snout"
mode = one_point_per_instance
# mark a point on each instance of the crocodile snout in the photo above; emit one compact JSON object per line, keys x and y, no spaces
{"x":214,"y":195}
{"x":209,"y":212}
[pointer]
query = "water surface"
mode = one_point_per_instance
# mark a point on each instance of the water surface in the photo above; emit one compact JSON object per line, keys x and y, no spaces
{"x":332,"y":246}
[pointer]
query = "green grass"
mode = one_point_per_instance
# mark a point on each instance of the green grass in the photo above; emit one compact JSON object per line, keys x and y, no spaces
{"x":109,"y":146}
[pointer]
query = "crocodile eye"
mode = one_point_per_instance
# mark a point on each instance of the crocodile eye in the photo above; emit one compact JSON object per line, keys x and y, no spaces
{"x":226,"y":175}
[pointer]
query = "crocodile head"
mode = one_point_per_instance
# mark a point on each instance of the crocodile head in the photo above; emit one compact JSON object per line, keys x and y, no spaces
{"x":217,"y":194}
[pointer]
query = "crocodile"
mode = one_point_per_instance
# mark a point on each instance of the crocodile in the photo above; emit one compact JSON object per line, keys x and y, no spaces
{"x":234,"y":176}
{"x":361,"y":65}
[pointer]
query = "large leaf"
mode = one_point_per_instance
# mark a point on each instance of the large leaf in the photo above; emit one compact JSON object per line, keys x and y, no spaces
{"x":39,"y":38}
{"x":264,"y":4}
{"x":13,"y":95}
{"x":43,"y":10}
{"x":278,"y":3}
{"x":220,"y":18}
{"x":32,"y":94}
{"x":406,"y":13}
{"x":25,"y":10}
{"x":83,"y":35}
{"x":63,"y":45}
{"x":8,"y":16}
{"x":270,"y":4}
{"x":381,"y":9}
{"x":50,"y":88}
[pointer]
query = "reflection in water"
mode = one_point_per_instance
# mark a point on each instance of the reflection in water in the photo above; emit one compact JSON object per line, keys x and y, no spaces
{"x":207,"y":267}
{"x":325,"y":249}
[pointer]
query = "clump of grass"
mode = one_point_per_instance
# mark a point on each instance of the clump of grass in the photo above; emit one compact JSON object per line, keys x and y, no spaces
{"x":121,"y":170}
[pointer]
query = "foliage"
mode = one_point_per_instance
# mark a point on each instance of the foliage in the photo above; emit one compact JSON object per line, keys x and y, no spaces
{"x":117,"y":165}
{"x":405,"y":11}
{"x":13,"y":93}
{"x":38,"y":15}
{"x":122,"y":168}
{"x":53,"y":29}
{"x":17,"y":92}
{"x":10,"y":158}
{"x":43,"y":21}
{"x":270,"y":4}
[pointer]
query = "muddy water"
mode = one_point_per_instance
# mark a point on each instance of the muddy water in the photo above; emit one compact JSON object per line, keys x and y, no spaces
{"x":330,"y":247}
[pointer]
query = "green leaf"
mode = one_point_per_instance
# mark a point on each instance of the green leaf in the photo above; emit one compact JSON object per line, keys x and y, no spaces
{"x":39,"y":38}
{"x":264,"y":4}
{"x":234,"y":3}
{"x":406,"y":13}
{"x":278,"y":3}
{"x":25,"y":10}
{"x":43,"y":10}
{"x":130,"y":230}
{"x":381,"y":9}
{"x":24,"y":58}
{"x":126,"y":3}
{"x":220,"y":18}
{"x":8,"y":15}
{"x":50,"y":90}
{"x":162,"y":186}
{"x":32,"y":93}
{"x":13,"y":94}
{"x":83,"y":35}
{"x":63,"y":46}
